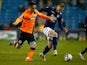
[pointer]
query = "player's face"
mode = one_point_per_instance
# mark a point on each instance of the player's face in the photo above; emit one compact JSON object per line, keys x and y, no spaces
{"x":59,"y":9}
{"x":32,"y":8}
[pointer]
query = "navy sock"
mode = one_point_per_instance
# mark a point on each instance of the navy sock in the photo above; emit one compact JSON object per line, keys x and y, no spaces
{"x":54,"y":43}
{"x":46,"y":50}
{"x":84,"y":51}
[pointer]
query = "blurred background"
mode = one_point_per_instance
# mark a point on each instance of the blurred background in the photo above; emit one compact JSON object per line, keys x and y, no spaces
{"x":74,"y":15}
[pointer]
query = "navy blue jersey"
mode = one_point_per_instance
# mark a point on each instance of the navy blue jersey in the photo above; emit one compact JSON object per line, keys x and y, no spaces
{"x":51,"y":11}
{"x":85,"y":23}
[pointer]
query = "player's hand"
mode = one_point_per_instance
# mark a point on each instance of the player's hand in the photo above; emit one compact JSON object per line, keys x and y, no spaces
{"x":65,"y":29}
{"x":52,"y":20}
{"x":14,"y":23}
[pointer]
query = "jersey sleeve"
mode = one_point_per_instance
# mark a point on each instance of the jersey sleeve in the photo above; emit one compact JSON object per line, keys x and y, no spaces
{"x":86,"y":20}
{"x":85,"y":24}
{"x":19,"y":19}
{"x":61,"y":23}
{"x":42,"y":15}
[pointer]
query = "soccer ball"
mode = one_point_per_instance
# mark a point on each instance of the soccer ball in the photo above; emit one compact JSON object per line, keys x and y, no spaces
{"x":68,"y":57}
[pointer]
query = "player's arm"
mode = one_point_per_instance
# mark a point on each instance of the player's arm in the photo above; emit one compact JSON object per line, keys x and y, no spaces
{"x":85,"y":25}
{"x":44,"y":16}
{"x":62,"y":25}
{"x":18,"y":20}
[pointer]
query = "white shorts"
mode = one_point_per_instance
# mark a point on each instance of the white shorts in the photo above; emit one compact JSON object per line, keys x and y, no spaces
{"x":46,"y":32}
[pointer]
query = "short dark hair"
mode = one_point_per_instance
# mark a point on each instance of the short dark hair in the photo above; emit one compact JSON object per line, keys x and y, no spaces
{"x":61,"y":4}
{"x":31,"y":3}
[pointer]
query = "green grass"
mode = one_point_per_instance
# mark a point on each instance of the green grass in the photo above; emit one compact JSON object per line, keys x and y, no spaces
{"x":9,"y":55}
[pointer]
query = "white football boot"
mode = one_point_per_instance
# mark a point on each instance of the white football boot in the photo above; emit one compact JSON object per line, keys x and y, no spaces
{"x":81,"y":56}
{"x":43,"y":56}
{"x":55,"y":52}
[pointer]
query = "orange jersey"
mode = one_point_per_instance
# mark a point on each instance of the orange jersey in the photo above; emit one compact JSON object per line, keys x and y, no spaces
{"x":29,"y":20}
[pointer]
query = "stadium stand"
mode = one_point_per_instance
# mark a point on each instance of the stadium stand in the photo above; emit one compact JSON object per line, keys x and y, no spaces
{"x":72,"y":14}
{"x":9,"y":10}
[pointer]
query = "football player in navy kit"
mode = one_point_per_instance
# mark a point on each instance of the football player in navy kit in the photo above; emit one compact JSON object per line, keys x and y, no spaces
{"x":85,"y":49}
{"x":49,"y":31}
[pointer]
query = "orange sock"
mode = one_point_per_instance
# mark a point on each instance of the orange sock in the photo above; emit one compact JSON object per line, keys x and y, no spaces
{"x":31,"y":53}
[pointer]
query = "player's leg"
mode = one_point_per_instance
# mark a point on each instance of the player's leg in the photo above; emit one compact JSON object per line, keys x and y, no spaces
{"x":31,"y":52}
{"x":47,"y":31}
{"x":53,"y":34}
{"x":46,"y":50}
{"x":82,"y":53}
{"x":50,"y":34}
{"x":48,"y":47}
{"x":13,"y":42}
{"x":19,"y":42}
{"x":55,"y":46}
{"x":86,"y":34}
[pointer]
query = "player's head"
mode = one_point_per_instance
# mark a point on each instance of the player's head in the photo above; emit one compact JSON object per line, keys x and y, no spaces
{"x":60,"y":7}
{"x":31,"y":6}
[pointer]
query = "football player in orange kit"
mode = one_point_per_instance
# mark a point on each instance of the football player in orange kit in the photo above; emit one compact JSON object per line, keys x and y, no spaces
{"x":28,"y":17}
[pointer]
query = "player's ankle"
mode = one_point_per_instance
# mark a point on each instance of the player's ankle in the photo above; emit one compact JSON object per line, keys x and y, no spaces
{"x":28,"y":59}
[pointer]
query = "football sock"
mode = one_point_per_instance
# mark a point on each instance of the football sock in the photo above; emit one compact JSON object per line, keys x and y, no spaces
{"x":84,"y":51}
{"x":54,"y":43}
{"x":31,"y":52}
{"x":46,"y":50}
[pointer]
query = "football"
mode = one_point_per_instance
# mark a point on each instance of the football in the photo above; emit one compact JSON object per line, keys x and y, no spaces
{"x":68,"y":57}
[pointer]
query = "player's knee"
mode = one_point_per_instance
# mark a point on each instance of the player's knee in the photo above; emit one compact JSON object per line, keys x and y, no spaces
{"x":33,"y":44}
{"x":49,"y":46}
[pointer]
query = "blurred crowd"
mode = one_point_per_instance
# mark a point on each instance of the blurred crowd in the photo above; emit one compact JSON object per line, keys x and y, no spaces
{"x":42,"y":4}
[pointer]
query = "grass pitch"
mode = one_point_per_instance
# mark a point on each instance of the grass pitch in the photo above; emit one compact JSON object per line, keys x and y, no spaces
{"x":9,"y":55}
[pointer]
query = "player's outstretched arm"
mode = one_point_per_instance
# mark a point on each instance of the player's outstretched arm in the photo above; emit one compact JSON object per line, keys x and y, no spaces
{"x":44,"y":16}
{"x":18,"y":20}
{"x":62,"y":25}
